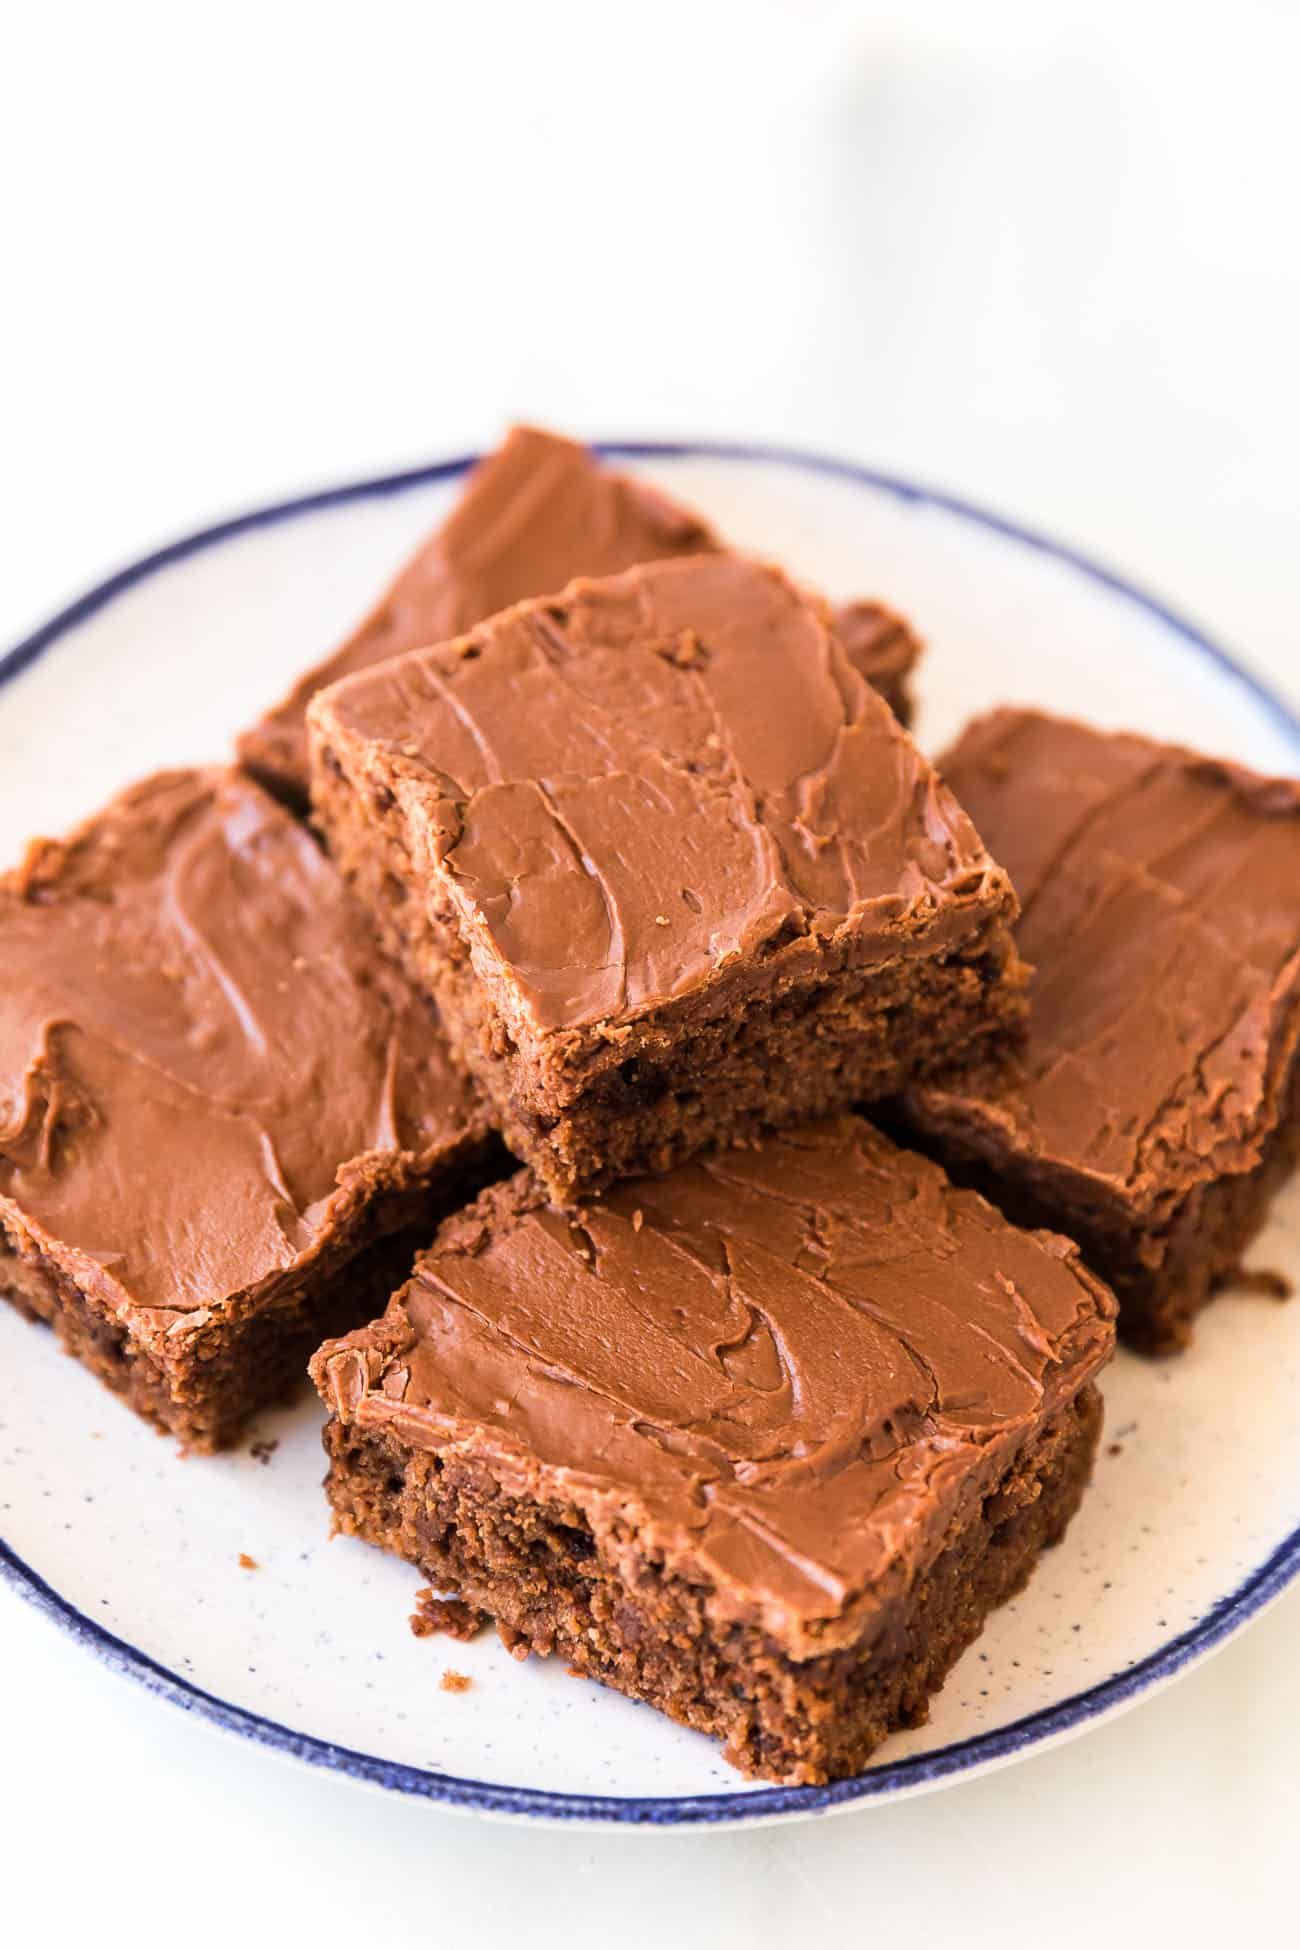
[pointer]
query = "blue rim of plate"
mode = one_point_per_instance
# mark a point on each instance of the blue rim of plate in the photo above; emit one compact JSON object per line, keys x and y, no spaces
{"x":1224,"y":1618}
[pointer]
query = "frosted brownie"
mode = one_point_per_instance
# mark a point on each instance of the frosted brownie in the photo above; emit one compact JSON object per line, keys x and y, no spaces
{"x":671,"y":868}
{"x":761,"y":1442}
{"x":1158,"y":1102}
{"x":533,"y":515}
{"x":217,"y":1106}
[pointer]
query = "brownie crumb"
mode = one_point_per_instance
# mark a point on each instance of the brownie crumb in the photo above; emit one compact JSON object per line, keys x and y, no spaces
{"x":1266,"y":1281}
{"x":247,"y":1563}
{"x":263,"y":1451}
{"x":455,"y":1682}
{"x":514,"y":1641}
{"x":449,"y":1615}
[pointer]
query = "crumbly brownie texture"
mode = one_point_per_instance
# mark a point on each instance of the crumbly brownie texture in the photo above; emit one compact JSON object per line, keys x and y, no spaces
{"x":761,"y":1442}
{"x":535,"y":514}
{"x":1157,"y":1105}
{"x":883,"y":648}
{"x":214,"y":1096}
{"x":671,"y":868}
{"x":206,"y":1394}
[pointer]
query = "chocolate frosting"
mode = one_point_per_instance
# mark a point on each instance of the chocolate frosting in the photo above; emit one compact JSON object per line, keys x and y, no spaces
{"x":538,"y":512}
{"x":206,"y":1076}
{"x":1161,"y":908}
{"x":630,"y":788}
{"x":880,"y":644}
{"x":786,"y":1372}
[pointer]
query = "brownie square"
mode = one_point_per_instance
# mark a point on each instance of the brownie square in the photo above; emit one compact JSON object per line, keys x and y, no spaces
{"x":671,"y":868}
{"x":1158,"y":1100}
{"x":761,"y":1442}
{"x":219,"y":1108}
{"x":538,"y":512}
{"x":533,"y":515}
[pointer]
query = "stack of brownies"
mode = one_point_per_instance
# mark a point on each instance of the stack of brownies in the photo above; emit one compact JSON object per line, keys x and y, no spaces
{"x":623,"y":862}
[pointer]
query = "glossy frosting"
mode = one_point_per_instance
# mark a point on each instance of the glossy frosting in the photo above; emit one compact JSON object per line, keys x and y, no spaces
{"x":630,"y":787}
{"x":787,"y":1370}
{"x":204,"y":1072}
{"x":538,"y":512}
{"x":1161,"y":908}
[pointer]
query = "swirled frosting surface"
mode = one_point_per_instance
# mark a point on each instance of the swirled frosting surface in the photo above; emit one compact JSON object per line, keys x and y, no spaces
{"x":632,"y":785}
{"x":1161,"y":910}
{"x":204,"y":1069}
{"x":784,"y":1371}
{"x":533,"y":515}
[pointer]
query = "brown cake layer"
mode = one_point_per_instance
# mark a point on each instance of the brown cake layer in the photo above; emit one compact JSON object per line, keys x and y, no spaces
{"x":671,"y":868}
{"x":213,"y":1097}
{"x":534,"y":1567}
{"x":760,"y":1442}
{"x":533,"y":515}
{"x":206,"y":1396}
{"x":1157,"y":1104}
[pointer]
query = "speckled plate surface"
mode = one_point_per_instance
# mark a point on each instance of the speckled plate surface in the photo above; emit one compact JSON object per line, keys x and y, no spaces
{"x":137,"y":1551}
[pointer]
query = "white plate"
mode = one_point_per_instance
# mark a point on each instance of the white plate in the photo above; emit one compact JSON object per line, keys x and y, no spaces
{"x":1192,"y":1524}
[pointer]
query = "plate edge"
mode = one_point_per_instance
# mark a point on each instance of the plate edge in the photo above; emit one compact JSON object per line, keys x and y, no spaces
{"x":1083,"y":1709}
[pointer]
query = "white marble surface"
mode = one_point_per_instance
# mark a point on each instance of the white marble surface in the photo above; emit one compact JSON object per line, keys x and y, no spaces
{"x":1043,"y":255}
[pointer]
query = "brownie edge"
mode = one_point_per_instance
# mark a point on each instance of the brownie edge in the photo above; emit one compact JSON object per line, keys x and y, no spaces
{"x":1155,"y":1106}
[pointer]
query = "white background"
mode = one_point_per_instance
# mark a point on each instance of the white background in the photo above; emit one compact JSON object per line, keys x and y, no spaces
{"x":1045,"y":255}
